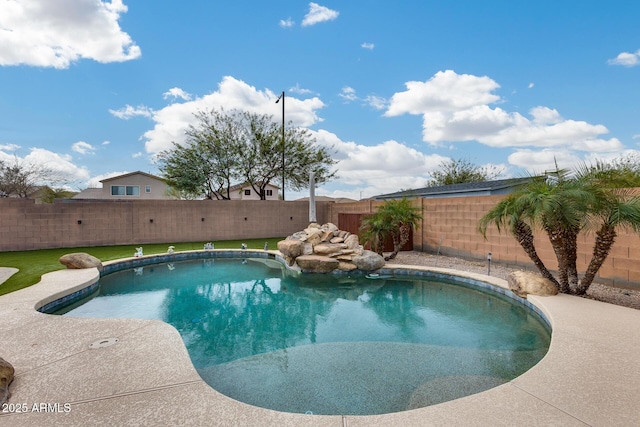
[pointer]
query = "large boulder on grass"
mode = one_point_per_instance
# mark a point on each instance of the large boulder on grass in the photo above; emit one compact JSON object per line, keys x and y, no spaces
{"x":6,"y":376}
{"x":80,"y":260}
{"x":523,"y":283}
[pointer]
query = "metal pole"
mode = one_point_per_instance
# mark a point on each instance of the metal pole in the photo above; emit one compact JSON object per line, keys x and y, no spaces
{"x":312,"y":197}
{"x":278,"y":100}
{"x":283,"y":145}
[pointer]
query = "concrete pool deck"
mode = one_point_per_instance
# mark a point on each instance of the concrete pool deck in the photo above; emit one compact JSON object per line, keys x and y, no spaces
{"x":589,"y":377}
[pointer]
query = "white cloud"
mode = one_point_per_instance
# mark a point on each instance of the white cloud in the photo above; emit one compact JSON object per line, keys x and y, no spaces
{"x":543,"y":160}
{"x":128,"y":112}
{"x":60,"y":165}
{"x":172,"y":120}
{"x":360,"y":165}
{"x":456,"y":108}
{"x":626,"y":59}
{"x":136,"y":155}
{"x":531,"y":85}
{"x":83,"y":147}
{"x":9,"y":147}
{"x":446,"y":91}
{"x":318,"y":14}
{"x":545,"y":116}
{"x":56,"y":33}
{"x":300,"y":91}
{"x":175,"y":93}
{"x":369,"y":46}
{"x":377,"y":102}
{"x":94,"y":182}
{"x":348,"y":94}
{"x":286,"y":23}
{"x":106,"y":142}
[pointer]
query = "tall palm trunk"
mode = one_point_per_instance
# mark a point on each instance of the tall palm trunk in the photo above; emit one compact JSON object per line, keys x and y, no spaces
{"x":605,"y":238}
{"x":570,"y":237}
{"x":560,"y":249}
{"x":524,"y":235}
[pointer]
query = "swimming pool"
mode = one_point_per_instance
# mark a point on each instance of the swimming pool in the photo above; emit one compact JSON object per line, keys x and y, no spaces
{"x":351,"y":345}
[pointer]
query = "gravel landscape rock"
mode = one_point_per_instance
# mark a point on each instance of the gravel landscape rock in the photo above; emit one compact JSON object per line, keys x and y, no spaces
{"x":597,"y":291}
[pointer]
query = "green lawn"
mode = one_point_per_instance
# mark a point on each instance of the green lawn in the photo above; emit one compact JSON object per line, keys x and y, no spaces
{"x":33,"y":264}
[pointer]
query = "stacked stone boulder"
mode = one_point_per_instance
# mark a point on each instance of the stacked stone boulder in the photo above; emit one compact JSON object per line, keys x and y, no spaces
{"x":324,"y":248}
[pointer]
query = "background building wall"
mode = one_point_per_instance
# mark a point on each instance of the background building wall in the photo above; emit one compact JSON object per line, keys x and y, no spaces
{"x":158,"y":187}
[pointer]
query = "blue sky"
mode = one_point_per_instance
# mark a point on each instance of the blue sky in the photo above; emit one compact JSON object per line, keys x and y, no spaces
{"x":96,"y":88}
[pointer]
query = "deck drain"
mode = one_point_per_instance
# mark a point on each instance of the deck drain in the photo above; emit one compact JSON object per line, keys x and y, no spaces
{"x":105,"y":342}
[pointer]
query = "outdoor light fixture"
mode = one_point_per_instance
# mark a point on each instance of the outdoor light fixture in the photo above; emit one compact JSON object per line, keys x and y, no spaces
{"x":489,"y":264}
{"x":278,"y":100}
{"x":79,"y":221}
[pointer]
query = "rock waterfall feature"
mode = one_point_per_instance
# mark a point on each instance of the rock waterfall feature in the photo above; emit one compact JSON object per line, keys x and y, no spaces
{"x":324,"y":248}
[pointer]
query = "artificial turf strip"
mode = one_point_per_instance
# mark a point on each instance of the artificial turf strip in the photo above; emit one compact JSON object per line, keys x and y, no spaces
{"x":33,"y":264}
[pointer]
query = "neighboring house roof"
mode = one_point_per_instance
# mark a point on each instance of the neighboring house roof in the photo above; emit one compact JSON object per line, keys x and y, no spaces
{"x":246,"y":184}
{"x":156,"y":185}
{"x":486,"y":188}
{"x":90,"y":193}
{"x":327,"y":199}
{"x":131,"y":174}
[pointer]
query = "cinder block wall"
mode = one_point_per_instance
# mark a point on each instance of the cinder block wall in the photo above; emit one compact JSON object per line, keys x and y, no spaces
{"x":25,"y":225}
{"x":450,"y":226}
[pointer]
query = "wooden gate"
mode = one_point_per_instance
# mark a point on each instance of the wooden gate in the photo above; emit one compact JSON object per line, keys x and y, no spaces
{"x":351,"y":222}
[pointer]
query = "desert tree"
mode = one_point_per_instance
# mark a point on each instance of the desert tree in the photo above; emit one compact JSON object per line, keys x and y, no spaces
{"x":227,"y":147}
{"x":459,"y":171}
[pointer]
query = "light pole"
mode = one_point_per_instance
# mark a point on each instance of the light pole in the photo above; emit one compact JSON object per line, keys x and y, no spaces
{"x":278,"y":100}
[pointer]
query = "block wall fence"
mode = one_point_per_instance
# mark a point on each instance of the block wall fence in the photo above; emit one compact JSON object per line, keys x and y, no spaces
{"x":25,"y":225}
{"x":449,"y":225}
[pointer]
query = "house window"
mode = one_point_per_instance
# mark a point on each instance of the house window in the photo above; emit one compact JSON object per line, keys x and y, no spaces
{"x":125,"y":190}
{"x":269,"y":192}
{"x":147,"y":189}
{"x":247,"y":192}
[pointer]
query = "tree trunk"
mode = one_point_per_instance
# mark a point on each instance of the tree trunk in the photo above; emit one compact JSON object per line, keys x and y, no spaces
{"x":379,"y":241}
{"x":605,"y":238}
{"x":524,"y":235}
{"x":559,"y":248}
{"x":399,"y":240}
{"x":570,"y":242}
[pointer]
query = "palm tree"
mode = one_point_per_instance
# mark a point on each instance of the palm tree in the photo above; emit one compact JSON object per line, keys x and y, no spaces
{"x":509,"y":213}
{"x":614,"y":207}
{"x":395,"y":218}
{"x":563,"y":205}
{"x":373,"y":231}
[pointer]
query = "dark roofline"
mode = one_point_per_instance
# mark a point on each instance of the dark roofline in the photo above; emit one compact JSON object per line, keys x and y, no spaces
{"x":131,"y":174}
{"x":468,"y":187}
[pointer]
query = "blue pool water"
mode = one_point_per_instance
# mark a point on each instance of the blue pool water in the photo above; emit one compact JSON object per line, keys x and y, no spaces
{"x":329,"y":344}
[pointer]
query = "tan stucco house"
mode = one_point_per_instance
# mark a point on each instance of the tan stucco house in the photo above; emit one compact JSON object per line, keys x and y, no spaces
{"x":131,"y":186}
{"x":246,"y":192}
